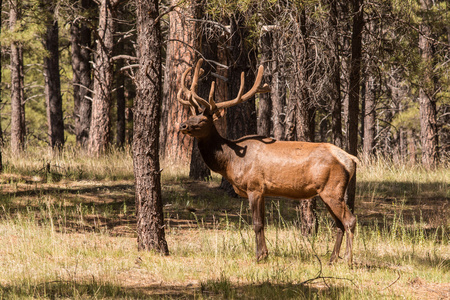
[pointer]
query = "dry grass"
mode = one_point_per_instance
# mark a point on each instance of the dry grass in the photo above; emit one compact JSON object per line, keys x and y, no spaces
{"x":73,"y":236}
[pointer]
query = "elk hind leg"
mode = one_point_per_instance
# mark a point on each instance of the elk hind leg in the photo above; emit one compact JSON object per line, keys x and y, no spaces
{"x":345,"y":222}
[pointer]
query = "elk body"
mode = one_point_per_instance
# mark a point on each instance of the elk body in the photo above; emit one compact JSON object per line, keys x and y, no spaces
{"x":259,"y":167}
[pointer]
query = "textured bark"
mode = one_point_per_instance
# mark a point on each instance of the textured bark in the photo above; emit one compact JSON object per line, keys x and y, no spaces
{"x":411,"y":146}
{"x":278,"y":88}
{"x":336,"y":100}
{"x":52,"y":89}
{"x":265,"y":102}
{"x":209,"y":49}
{"x":120,"y":95}
{"x":184,"y":38}
{"x":304,"y":111}
{"x":1,"y":95}
{"x":428,"y":123}
{"x":241,"y":119}
{"x":99,"y":134}
{"x":354,"y":88}
{"x":17,"y":101}
{"x":369,"y":118}
{"x":149,"y":210}
{"x":82,"y":83}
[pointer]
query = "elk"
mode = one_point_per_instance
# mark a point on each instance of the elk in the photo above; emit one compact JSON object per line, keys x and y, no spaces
{"x":258,"y":167}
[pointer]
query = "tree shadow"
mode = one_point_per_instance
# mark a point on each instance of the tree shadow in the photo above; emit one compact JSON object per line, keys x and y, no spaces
{"x":212,"y":289}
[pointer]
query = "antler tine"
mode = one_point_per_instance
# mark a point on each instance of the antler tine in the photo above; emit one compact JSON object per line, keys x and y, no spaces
{"x":211,"y":97}
{"x":191,"y":94}
{"x":257,"y":88}
{"x":184,"y":89}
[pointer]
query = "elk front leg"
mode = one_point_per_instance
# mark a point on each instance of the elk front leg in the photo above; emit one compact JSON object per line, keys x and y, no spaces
{"x":258,"y":210}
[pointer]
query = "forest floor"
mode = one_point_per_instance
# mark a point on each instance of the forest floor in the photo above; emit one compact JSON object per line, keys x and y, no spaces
{"x":67,"y":238}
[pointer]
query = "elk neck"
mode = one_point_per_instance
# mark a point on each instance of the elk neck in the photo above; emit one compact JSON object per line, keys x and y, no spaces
{"x":215,"y":151}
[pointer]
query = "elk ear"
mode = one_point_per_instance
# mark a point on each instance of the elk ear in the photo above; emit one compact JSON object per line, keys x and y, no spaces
{"x":218,"y":114}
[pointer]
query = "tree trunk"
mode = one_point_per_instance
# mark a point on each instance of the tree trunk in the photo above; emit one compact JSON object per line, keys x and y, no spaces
{"x":336,"y":100}
{"x":210,"y":51}
{"x":149,"y":209}
{"x":411,"y":146}
{"x":369,"y":118}
{"x":354,"y":88}
{"x":120,"y":93}
{"x":265,"y":102}
{"x":17,"y":101}
{"x":1,"y":94}
{"x":241,"y":119}
{"x":278,"y":90}
{"x":99,"y":135}
{"x":304,"y":110}
{"x":82,"y":83}
{"x":53,"y":97}
{"x":428,"y":123}
{"x":184,"y":39}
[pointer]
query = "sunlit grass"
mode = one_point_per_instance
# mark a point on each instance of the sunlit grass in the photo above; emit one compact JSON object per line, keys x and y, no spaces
{"x":71,"y":235}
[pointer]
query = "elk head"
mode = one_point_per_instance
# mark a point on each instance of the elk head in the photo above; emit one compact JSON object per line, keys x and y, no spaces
{"x":200,"y":124}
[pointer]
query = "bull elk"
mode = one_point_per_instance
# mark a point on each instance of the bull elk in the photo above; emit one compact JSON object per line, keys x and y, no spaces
{"x":259,"y":167}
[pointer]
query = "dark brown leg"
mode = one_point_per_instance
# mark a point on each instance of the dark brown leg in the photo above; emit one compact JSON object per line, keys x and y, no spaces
{"x":257,"y":206}
{"x":345,"y":222}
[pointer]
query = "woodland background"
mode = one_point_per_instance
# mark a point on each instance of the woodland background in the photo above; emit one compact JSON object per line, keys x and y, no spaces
{"x":88,"y":109}
{"x":369,"y":76}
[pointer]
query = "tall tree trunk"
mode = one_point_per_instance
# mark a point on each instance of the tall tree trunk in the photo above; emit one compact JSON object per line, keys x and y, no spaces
{"x":184,"y":39}
{"x":369,"y":118}
{"x":241,"y":119}
{"x":1,"y":94}
{"x":17,"y":101}
{"x":354,"y":88}
{"x":265,"y":101}
{"x":53,"y":97}
{"x":120,"y":94}
{"x":278,"y":90}
{"x":428,"y":123}
{"x":411,"y":146}
{"x":304,"y":110}
{"x":100,"y":130}
{"x":82,"y":83}
{"x":336,"y":100}
{"x":149,"y":209}
{"x":209,"y":48}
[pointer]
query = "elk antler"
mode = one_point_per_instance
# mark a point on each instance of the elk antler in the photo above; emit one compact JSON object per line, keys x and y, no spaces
{"x":194,"y":99}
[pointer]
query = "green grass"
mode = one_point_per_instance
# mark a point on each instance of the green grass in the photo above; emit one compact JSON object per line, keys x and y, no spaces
{"x":73,"y":236}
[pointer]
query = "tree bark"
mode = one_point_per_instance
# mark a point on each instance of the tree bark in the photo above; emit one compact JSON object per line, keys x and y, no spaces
{"x":17,"y":84}
{"x":304,"y":110}
{"x":369,"y":118}
{"x":184,"y":39}
{"x":100,"y":129}
{"x":241,"y":119}
{"x":354,"y":88}
{"x":52,"y":90}
{"x":1,"y":94}
{"x":428,"y":123}
{"x":278,"y":90}
{"x":149,"y":210}
{"x":336,"y":100}
{"x":82,"y":83}
{"x":264,"y":123}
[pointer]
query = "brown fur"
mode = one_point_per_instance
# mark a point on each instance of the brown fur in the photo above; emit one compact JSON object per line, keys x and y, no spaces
{"x":259,"y":167}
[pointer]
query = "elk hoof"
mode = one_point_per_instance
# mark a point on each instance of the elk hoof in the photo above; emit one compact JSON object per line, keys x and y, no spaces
{"x":262,"y":256}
